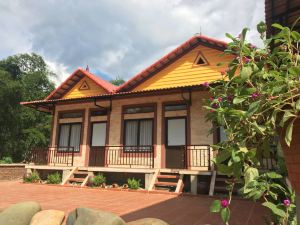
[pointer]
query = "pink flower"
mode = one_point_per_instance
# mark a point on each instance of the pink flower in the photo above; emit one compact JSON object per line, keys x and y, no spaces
{"x":239,"y":36}
{"x":223,"y":72}
{"x":253,"y":46}
{"x":255,"y":95}
{"x":224,"y":203}
{"x":247,"y":60}
{"x":286,"y":202}
{"x":220,"y":99}
{"x":205,"y":84}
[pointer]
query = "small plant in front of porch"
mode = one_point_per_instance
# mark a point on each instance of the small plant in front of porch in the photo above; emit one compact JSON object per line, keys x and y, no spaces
{"x":6,"y":160}
{"x":99,"y":180}
{"x":54,"y":178}
{"x":34,"y":177}
{"x":133,"y":183}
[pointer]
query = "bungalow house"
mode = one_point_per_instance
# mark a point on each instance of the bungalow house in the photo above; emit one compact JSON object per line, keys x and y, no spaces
{"x":153,"y":126}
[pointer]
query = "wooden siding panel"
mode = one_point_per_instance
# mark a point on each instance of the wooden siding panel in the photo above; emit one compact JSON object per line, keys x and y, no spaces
{"x":94,"y":89}
{"x":183,"y":71}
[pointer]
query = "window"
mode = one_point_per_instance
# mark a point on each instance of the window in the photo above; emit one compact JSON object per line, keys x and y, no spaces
{"x":138,"y":133}
{"x":69,"y":136}
{"x":175,"y":107}
{"x":200,"y":60}
{"x":98,"y":134}
{"x":142,"y":109}
{"x":70,"y":115}
{"x":102,"y":112}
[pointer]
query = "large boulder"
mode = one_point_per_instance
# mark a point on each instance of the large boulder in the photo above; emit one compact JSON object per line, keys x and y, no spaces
{"x":86,"y":216}
{"x":147,"y":221}
{"x":48,"y":217}
{"x":19,"y":214}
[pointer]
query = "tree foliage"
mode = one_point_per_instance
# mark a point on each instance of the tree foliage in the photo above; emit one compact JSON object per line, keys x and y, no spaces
{"x":118,"y":81}
{"x":23,"y":77}
{"x":256,"y":100}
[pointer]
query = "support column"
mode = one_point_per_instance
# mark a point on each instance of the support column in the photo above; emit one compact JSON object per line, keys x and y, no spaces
{"x":65,"y":173}
{"x":298,"y":207}
{"x":194,"y":184}
{"x":148,"y":179}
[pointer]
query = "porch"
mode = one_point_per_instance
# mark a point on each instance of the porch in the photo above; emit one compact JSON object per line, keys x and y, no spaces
{"x":187,"y":157}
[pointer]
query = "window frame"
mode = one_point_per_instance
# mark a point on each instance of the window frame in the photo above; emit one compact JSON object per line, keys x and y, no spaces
{"x":200,"y":55}
{"x":138,"y":106}
{"x":175,"y":104}
{"x":138,"y":137}
{"x":69,"y":137}
{"x":92,"y":131}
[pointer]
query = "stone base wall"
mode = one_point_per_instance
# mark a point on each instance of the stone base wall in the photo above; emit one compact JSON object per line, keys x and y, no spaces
{"x":12,"y":171}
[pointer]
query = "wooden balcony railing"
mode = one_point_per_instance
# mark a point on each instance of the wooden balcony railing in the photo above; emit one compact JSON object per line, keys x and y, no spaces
{"x":63,"y":156}
{"x":130,"y":156}
{"x":197,"y":156}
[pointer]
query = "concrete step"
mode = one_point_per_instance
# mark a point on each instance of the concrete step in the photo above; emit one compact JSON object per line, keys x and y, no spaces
{"x":77,"y":180}
{"x":164,"y":176}
{"x":169,"y":184}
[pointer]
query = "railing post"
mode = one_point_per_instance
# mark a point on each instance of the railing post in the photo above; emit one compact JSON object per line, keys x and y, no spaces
{"x":105,"y":155}
{"x":152,"y":152}
{"x":72,"y":156}
{"x":209,"y":163}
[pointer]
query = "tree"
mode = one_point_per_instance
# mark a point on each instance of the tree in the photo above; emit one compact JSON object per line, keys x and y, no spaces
{"x":258,"y":97}
{"x":23,"y":77}
{"x":117,"y":81}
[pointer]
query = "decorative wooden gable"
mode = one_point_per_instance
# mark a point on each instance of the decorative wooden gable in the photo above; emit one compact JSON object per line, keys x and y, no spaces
{"x":191,"y":64}
{"x":85,"y":87}
{"x":81,"y":83}
{"x":194,"y":68}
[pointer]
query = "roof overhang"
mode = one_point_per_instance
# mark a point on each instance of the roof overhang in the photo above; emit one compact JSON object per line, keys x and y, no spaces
{"x":48,"y":105}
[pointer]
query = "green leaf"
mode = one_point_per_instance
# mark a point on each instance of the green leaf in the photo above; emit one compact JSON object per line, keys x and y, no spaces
{"x":246,"y":72}
{"x":215,"y":206}
{"x":254,"y":106}
{"x":250,"y":174}
{"x":289,"y":133}
{"x":223,"y":169}
{"x":298,"y":104}
{"x":278,"y":26}
{"x":261,"y":27}
{"x":273,"y":175}
{"x":225,"y":215}
{"x":238,"y":100}
{"x":274,"y":209}
{"x":222,"y":156}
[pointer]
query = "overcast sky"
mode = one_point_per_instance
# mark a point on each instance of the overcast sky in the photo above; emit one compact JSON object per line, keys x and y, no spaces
{"x":116,"y":37}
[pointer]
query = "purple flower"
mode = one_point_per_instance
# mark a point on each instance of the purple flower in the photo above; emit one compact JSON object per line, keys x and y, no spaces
{"x":255,"y":95}
{"x":230,"y":98}
{"x":247,"y":60}
{"x":215,"y":105}
{"x":224,"y":203}
{"x":286,"y":202}
{"x":205,"y":84}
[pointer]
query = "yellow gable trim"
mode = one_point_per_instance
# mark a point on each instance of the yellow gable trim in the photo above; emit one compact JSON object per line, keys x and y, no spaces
{"x":77,"y":91}
{"x":184,"y":71}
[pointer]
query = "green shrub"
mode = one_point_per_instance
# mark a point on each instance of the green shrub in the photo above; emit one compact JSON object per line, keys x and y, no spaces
{"x":98,"y":180}
{"x":34,"y":177}
{"x":6,"y":160}
{"x":54,"y":178}
{"x":133,"y":183}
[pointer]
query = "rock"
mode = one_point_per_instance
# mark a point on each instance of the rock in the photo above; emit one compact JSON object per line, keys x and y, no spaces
{"x":48,"y":217}
{"x":19,"y":214}
{"x":147,"y":221}
{"x":86,"y":216}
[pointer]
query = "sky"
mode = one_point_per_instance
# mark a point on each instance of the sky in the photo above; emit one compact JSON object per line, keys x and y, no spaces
{"x":117,"y":37}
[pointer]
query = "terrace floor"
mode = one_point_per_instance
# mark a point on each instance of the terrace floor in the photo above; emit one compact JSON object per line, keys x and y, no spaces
{"x":176,"y":210}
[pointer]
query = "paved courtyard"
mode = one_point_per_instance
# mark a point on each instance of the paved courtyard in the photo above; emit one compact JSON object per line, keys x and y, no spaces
{"x":182,"y":210}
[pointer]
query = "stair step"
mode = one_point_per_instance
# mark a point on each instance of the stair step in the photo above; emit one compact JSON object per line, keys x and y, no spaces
{"x":171,"y":184}
{"x":78,"y":180}
{"x":163,"y":176}
{"x":81,"y":173}
{"x":221,"y":179}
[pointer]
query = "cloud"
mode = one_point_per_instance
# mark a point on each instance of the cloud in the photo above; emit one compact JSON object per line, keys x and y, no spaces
{"x":116,"y":37}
